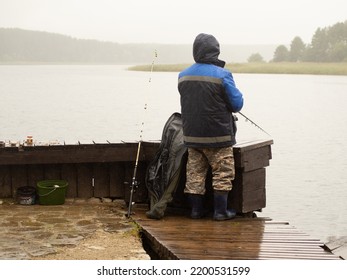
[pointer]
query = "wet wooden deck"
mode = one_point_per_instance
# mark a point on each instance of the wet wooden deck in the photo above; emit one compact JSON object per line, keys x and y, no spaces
{"x":179,"y":237}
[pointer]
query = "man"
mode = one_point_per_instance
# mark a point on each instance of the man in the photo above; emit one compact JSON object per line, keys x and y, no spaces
{"x":208,"y":98}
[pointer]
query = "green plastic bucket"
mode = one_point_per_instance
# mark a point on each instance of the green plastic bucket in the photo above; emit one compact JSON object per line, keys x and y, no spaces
{"x":51,"y":192}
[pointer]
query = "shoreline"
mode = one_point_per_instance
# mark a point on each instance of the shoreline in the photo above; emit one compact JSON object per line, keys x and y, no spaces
{"x":295,"y":68}
{"x":301,"y":68}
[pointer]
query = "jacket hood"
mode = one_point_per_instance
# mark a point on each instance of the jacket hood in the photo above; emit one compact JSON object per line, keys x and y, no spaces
{"x":206,"y":50}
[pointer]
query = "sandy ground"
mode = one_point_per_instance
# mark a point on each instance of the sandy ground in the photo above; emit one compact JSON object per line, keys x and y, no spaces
{"x":103,"y":246}
{"x":80,"y":229}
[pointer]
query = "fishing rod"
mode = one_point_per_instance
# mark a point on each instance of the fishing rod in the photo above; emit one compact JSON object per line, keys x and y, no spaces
{"x":134,"y":183}
{"x":248,"y":119}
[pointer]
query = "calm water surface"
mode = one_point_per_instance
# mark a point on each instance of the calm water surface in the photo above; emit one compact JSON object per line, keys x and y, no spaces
{"x":305,"y":115}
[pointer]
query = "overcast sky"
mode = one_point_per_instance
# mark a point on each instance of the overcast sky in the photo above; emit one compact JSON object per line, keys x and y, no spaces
{"x":176,"y":21}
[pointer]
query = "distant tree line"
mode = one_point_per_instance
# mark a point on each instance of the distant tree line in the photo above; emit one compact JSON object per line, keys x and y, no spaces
{"x":27,"y":46}
{"x":328,"y":44}
{"x":18,"y":45}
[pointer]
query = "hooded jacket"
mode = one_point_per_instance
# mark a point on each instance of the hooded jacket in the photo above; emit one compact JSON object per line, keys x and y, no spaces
{"x":208,"y":97}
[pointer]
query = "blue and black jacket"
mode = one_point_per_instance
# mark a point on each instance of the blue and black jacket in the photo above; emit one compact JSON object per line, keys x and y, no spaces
{"x":208,"y":98}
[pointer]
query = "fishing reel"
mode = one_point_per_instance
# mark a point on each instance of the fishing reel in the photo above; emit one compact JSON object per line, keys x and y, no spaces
{"x":133,"y":187}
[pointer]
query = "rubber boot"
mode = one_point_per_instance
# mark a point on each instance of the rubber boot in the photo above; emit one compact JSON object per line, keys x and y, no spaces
{"x":196,"y":203}
{"x":221,"y":212}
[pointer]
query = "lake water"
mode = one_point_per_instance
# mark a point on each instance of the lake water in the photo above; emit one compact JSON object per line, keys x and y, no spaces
{"x":305,"y":116}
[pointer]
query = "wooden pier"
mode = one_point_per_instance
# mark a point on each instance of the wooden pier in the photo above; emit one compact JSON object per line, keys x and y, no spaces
{"x":177,"y":237}
{"x":92,"y":170}
{"x":103,"y":170}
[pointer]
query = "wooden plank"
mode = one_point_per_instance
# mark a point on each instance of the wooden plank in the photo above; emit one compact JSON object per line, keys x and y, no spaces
{"x":86,"y":142}
{"x":35,"y":174}
{"x":84,"y":180}
{"x":101,"y":180}
{"x":5,"y":182}
{"x":52,"y":171}
{"x":220,"y":249}
{"x":254,"y":201}
{"x":252,"y":154}
{"x":117,"y":173}
{"x":100,"y":141}
{"x":255,"y":159}
{"x":341,"y":251}
{"x":248,"y":193}
{"x":338,"y":247}
{"x":70,"y":142}
{"x":252,"y":145}
{"x":240,"y":253}
{"x":18,"y":178}
{"x":337,"y":243}
{"x":154,"y":245}
{"x":253,"y":180}
{"x":83,"y":153}
{"x":235,"y":251}
{"x":179,"y":237}
{"x":278,"y":257}
{"x":69,"y":173}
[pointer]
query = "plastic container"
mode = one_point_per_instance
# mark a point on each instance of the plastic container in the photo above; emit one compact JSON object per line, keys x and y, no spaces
{"x":51,"y":192}
{"x":26,"y":195}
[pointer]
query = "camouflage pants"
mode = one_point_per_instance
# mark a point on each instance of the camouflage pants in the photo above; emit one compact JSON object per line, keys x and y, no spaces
{"x":221,"y":161}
